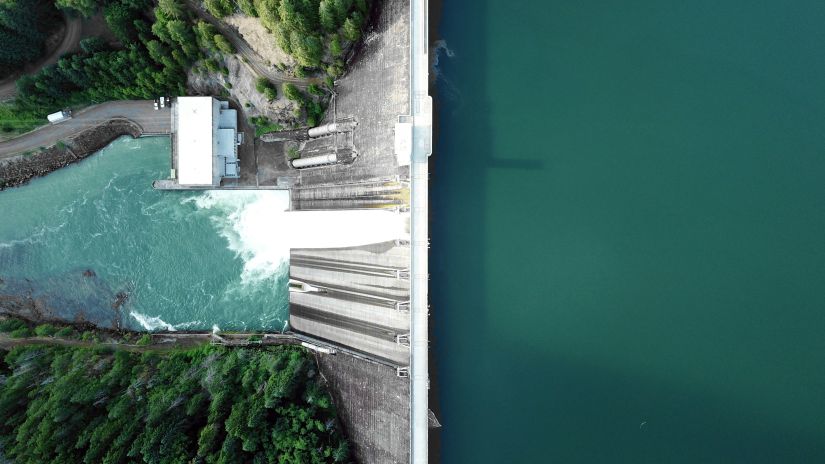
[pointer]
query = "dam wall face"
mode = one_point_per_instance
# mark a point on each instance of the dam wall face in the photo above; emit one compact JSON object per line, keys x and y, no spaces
{"x":356,"y":299}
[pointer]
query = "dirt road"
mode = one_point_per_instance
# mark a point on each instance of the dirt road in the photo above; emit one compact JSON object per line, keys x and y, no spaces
{"x":74,"y":28}
{"x":141,"y":112}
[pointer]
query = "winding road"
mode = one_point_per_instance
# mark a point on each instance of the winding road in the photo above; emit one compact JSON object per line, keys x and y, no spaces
{"x":141,"y":112}
{"x":74,"y":28}
{"x":253,"y":59}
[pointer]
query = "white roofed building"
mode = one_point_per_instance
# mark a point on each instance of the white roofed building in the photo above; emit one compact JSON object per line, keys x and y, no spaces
{"x":205,"y":138}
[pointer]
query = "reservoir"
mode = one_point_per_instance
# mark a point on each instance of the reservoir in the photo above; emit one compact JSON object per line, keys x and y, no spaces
{"x":628,"y":232}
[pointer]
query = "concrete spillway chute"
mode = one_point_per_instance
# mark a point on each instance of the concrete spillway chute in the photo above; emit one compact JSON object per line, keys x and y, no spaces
{"x":302,"y":287}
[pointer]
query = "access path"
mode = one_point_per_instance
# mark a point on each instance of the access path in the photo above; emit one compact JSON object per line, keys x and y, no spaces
{"x":74,"y":28}
{"x":252,"y":58}
{"x":141,"y":112}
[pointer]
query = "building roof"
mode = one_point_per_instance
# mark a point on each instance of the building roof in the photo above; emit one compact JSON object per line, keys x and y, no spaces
{"x":194,"y":134}
{"x":228,"y":119}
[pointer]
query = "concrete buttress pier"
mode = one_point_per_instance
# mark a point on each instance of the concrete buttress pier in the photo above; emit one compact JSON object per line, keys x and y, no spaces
{"x":370,"y":302}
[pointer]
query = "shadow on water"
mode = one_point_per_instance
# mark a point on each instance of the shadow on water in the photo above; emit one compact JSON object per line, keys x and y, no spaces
{"x":457,"y":221}
{"x":501,"y":400}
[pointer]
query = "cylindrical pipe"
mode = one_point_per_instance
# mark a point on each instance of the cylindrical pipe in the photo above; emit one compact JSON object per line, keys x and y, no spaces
{"x":315,"y":161}
{"x":326,"y":129}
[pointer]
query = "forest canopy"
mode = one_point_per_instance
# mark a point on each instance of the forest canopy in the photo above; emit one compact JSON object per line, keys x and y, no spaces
{"x":210,"y":405}
{"x":24,"y":25}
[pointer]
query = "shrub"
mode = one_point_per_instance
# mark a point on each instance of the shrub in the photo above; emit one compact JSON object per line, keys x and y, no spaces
{"x":92,"y":44}
{"x":352,"y":27}
{"x":11,"y":324}
{"x":291,"y":92}
{"x":335,"y":46}
{"x":248,"y":7}
{"x":222,"y":44}
{"x":211,"y":65}
{"x":292,"y":153}
{"x":65,"y":332}
{"x":145,"y":339}
{"x":219,"y":8}
{"x":45,"y":330}
{"x":22,"y":332}
{"x":267,"y":88}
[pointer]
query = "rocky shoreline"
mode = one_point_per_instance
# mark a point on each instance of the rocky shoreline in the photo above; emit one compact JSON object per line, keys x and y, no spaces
{"x":21,"y":169}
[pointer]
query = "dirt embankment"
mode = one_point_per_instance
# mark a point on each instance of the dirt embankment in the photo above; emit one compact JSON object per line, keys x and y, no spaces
{"x":242,"y":90}
{"x":19,"y":170}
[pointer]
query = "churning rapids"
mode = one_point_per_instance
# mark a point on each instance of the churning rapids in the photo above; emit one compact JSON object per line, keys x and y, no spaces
{"x":93,"y":240}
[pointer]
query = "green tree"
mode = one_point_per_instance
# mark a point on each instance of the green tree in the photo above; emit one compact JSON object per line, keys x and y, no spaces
{"x":219,"y":8}
{"x":341,"y":9}
{"x":93,"y":44}
{"x":291,"y":92}
{"x":120,"y":18}
{"x":24,"y":25}
{"x":85,"y":7}
{"x":9,"y":325}
{"x":45,"y":330}
{"x":173,"y":8}
{"x":206,"y":33}
{"x":222,"y":44}
{"x":22,"y":332}
{"x":248,"y":7}
{"x":327,"y":15}
{"x":335,"y":46}
{"x":352,"y":27}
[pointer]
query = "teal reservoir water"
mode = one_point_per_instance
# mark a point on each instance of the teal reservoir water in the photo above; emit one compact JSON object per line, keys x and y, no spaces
{"x":80,"y":236}
{"x":628,"y":232}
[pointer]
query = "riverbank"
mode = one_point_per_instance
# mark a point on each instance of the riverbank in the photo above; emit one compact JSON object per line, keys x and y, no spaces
{"x":21,"y":169}
{"x":206,"y":404}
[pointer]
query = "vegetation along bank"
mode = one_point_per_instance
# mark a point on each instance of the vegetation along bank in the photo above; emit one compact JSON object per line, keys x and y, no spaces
{"x":209,"y":405}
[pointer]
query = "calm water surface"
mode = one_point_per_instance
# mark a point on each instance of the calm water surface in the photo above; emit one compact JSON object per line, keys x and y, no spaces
{"x":629,"y":232}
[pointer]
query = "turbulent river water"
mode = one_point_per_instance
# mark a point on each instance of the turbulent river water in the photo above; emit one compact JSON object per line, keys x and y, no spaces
{"x":83,"y":238}
{"x":184,"y":259}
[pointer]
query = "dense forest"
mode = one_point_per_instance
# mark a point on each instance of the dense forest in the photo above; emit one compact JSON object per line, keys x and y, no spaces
{"x":312,"y":31}
{"x":24,"y":25}
{"x":158,"y":48}
{"x":210,"y":405}
{"x":159,"y":43}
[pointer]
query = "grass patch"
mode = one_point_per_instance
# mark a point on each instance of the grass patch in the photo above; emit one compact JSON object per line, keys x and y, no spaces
{"x":292,"y":153}
{"x":264,"y":126}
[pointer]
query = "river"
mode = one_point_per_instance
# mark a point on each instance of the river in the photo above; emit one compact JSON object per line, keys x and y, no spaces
{"x":628,"y":237}
{"x":82,"y":235}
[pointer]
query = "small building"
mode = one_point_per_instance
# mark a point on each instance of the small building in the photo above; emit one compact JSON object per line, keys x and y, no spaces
{"x":205,"y":141}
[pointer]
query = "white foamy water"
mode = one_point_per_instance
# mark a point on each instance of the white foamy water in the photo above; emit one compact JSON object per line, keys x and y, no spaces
{"x":260,"y":231}
{"x":151,"y":322}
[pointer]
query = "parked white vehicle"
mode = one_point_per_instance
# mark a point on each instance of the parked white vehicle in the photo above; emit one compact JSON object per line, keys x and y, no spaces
{"x":59,"y":116}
